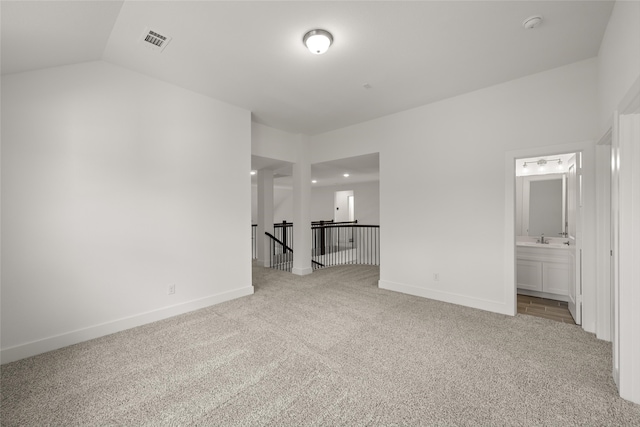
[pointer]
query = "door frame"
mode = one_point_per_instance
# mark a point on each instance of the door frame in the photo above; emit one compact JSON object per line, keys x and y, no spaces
{"x":625,"y":213}
{"x":575,"y":233}
{"x":604,"y":327}
{"x":587,"y":148}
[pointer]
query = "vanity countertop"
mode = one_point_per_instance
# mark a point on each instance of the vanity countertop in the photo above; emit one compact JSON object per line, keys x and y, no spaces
{"x":552,"y":245}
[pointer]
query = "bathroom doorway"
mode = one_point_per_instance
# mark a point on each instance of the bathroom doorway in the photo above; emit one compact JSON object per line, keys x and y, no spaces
{"x":548,"y":234}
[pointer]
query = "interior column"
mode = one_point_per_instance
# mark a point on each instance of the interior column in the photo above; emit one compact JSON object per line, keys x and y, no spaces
{"x":265,"y":215}
{"x":301,"y":210}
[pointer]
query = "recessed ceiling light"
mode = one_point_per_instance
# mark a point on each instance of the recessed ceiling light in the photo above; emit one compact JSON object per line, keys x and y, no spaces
{"x":313,"y":181}
{"x":253,"y":172}
{"x":346,"y":175}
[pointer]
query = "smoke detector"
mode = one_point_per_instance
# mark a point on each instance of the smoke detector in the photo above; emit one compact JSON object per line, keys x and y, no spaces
{"x":532,"y":22}
{"x":154,"y":40}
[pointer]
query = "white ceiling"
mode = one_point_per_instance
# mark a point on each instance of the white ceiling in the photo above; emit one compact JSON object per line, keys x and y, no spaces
{"x":42,"y":34}
{"x":250,"y":54}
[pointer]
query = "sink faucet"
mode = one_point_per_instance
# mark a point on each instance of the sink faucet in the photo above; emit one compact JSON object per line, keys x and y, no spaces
{"x":541,"y":240}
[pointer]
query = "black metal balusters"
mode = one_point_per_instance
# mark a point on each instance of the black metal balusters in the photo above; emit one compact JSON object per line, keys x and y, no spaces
{"x":332,"y":243}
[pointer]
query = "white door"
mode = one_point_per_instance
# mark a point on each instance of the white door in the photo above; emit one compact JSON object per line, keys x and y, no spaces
{"x":341,"y":205}
{"x":626,"y":252}
{"x":615,"y":224}
{"x":574,"y":230}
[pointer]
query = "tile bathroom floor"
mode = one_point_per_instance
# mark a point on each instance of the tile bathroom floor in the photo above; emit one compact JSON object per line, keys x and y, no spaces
{"x":547,"y":308}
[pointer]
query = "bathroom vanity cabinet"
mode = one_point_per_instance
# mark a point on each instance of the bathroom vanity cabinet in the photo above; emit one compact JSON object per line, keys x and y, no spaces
{"x":544,"y":271}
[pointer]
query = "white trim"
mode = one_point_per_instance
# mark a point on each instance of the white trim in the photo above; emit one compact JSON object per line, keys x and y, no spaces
{"x":604,"y":302}
{"x":479,"y":303}
{"x":615,"y":246}
{"x":588,"y":244}
{"x":74,"y":337}
{"x":301,"y":271}
{"x":628,"y":121}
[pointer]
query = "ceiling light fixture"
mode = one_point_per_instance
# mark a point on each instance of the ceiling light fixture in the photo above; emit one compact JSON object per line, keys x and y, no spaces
{"x":542,"y":162}
{"x":532,"y":22}
{"x":253,"y":172}
{"x":317,"y":41}
{"x":346,"y":175}
{"x":313,"y":181}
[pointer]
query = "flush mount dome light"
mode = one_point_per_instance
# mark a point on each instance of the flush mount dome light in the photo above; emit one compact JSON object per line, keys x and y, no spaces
{"x":532,"y":22}
{"x":317,"y":41}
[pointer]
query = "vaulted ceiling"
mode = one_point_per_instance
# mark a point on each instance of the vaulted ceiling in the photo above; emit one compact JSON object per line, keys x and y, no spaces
{"x":250,"y":53}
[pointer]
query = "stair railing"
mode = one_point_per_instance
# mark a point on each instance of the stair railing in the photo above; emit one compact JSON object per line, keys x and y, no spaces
{"x":345,"y":243}
{"x":281,"y":255}
{"x":333,"y":243}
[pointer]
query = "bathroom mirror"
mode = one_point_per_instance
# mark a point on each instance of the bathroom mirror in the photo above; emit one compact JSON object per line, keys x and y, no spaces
{"x":543,"y":206}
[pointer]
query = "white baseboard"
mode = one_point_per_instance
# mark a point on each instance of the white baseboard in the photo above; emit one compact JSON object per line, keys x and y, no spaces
{"x":74,"y":337}
{"x":301,"y":271}
{"x":482,"y":304}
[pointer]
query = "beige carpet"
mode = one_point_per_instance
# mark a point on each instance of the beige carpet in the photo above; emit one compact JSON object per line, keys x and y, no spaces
{"x":326,"y":349}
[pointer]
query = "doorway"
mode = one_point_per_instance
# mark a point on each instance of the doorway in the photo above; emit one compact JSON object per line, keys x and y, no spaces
{"x":548,"y":236}
{"x":343,"y":206}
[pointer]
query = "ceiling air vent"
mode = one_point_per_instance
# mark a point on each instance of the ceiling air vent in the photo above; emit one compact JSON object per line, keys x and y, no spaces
{"x":154,"y":40}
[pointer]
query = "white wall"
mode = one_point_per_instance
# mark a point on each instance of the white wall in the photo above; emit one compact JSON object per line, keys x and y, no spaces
{"x":618,"y":59}
{"x":273,"y":143}
{"x":366,"y":196}
{"x":619,"y":78}
{"x":282,"y":204}
{"x":348,"y":142}
{"x":442,"y":178}
{"x":367,"y":202}
{"x":115,"y":185}
{"x":279,"y":145}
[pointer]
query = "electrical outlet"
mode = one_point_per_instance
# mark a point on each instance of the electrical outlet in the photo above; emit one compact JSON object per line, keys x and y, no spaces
{"x":171,"y":289}
{"x":436,"y":277}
